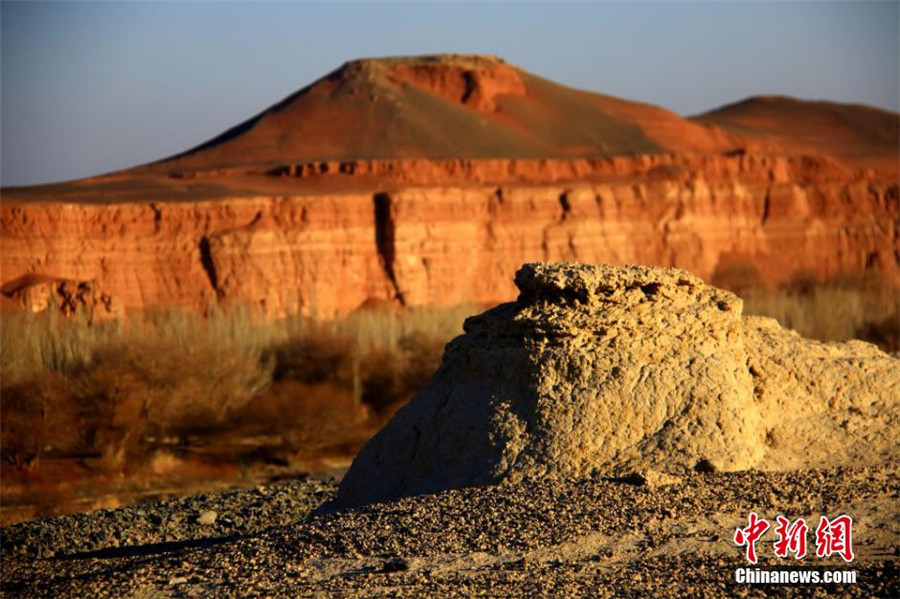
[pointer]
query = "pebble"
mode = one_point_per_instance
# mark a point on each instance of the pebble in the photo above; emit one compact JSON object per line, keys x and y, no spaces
{"x":167,"y":521}
{"x":207,"y":518}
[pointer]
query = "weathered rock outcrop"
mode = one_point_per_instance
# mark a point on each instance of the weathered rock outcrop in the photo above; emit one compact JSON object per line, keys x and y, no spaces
{"x":37,"y":293}
{"x":612,"y":369}
{"x":306,"y":254}
{"x":300,"y":250}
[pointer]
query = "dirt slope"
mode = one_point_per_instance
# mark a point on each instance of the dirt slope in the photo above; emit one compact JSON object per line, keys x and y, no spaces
{"x":445,"y":106}
{"x":849,"y":132}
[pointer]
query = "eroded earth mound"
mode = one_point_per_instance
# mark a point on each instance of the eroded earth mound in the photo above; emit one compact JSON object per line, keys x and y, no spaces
{"x":618,"y":369}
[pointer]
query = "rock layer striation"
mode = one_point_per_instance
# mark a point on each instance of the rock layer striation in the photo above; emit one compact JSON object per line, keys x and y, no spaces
{"x":331,"y":252}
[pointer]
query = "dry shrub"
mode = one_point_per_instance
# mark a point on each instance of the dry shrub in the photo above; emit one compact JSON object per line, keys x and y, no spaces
{"x":167,"y":391}
{"x":307,"y":418}
{"x":846,"y":306}
{"x":383,"y":357}
{"x":40,"y":416}
{"x":739,"y":278}
{"x":116,"y":391}
{"x":32,"y":344}
{"x":100,"y":388}
{"x":837,"y":310}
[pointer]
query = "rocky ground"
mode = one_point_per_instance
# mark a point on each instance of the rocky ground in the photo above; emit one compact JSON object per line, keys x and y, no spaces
{"x":596,"y":537}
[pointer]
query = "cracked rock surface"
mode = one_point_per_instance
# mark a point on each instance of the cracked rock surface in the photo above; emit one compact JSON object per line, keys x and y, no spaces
{"x":607,"y":369}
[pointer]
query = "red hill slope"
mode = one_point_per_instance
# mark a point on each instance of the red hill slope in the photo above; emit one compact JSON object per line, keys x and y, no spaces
{"x":849,"y":132}
{"x":441,"y":107}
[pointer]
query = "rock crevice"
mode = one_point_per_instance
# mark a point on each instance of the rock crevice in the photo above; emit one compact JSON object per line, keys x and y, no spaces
{"x":208,"y":264}
{"x":385,"y":242}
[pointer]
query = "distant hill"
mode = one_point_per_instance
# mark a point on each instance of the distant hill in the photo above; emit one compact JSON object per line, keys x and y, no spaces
{"x":446,"y":106}
{"x":452,"y":106}
{"x":429,"y":180}
{"x":849,"y":132}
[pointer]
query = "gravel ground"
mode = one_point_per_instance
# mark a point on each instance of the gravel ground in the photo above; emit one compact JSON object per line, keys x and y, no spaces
{"x":596,"y":537}
{"x":238,"y":513}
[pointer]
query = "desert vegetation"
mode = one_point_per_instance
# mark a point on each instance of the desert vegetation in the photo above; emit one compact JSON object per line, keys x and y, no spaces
{"x":116,"y":390}
{"x":847,"y":306}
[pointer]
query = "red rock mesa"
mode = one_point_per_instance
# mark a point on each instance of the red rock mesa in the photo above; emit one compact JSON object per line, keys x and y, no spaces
{"x":430,"y":180}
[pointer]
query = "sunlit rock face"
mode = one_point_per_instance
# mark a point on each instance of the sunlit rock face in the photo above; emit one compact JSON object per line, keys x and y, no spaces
{"x":603,"y":369}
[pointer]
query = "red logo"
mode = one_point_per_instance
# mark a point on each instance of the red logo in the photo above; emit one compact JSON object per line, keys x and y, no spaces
{"x":748,"y":536}
{"x":833,"y":537}
{"x":791,"y":537}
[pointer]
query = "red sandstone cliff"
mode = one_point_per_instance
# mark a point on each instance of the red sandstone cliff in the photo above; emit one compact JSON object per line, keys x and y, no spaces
{"x":410,"y":180}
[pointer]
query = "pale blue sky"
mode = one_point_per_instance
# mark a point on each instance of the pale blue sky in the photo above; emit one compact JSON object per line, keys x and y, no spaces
{"x":90,"y":87}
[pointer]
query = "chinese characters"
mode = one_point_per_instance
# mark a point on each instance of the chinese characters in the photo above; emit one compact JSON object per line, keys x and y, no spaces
{"x":832,"y":537}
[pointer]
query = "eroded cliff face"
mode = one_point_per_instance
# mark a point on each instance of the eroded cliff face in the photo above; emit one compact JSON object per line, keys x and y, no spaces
{"x":315,"y":254}
{"x":329,"y":253}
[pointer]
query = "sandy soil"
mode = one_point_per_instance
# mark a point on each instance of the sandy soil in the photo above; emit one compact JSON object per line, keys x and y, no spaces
{"x":596,"y":537}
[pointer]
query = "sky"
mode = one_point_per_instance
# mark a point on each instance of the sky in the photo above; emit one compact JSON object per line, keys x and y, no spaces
{"x":92,"y":87}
